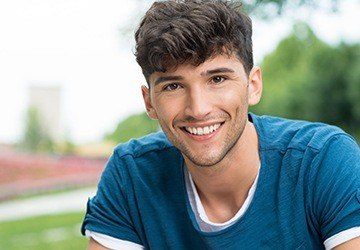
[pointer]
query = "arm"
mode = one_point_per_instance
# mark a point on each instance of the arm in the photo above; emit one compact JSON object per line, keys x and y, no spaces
{"x":94,"y":245}
{"x":108,"y":220}
{"x":337,"y":193}
{"x":102,"y":241}
{"x":348,"y":245}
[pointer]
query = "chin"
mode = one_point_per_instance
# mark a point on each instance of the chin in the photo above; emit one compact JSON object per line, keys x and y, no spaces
{"x":205,"y":162}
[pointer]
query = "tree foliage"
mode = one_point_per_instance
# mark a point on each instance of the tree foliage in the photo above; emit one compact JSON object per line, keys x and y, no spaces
{"x":134,"y":126}
{"x":273,"y":8}
{"x":263,"y":8}
{"x":305,"y":78}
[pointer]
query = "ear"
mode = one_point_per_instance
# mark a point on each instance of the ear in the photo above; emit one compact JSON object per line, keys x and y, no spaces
{"x":255,"y":86}
{"x":149,"y":108}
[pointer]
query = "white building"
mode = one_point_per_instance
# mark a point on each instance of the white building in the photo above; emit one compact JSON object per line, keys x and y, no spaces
{"x":46,"y":100}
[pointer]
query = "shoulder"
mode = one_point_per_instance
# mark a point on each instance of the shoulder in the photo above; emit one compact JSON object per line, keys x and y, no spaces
{"x":150,"y":159}
{"x":152,"y":154}
{"x":136,"y":148}
{"x":283,"y":134}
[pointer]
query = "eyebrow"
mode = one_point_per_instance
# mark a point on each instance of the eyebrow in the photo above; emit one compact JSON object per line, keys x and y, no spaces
{"x":178,"y":78}
{"x":167,"y":78}
{"x":217,"y":71}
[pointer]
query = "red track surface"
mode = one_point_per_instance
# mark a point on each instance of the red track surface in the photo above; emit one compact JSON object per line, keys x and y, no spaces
{"x":27,"y":174}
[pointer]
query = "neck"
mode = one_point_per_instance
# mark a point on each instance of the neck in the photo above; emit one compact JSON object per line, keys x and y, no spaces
{"x":224,"y":187}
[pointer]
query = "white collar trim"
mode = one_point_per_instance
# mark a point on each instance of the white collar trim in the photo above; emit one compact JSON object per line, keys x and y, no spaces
{"x":199,"y":211}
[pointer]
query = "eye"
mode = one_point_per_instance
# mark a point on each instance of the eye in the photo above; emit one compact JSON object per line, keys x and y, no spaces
{"x":218,"y":79}
{"x":171,"y":86}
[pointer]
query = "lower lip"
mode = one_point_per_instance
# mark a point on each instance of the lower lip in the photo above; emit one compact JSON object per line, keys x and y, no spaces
{"x":203,"y":137}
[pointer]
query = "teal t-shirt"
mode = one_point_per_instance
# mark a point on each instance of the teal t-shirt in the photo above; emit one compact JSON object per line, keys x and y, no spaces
{"x":308,"y":190}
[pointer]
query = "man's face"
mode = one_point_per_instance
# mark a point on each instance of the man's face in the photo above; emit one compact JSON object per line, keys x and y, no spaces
{"x":202,"y":109}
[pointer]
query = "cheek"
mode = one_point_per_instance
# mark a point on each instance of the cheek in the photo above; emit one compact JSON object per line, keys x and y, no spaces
{"x":167,"y":110}
{"x":233,"y":98}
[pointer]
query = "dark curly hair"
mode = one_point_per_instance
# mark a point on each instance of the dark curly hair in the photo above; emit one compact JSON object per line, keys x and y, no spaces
{"x":173,"y":32}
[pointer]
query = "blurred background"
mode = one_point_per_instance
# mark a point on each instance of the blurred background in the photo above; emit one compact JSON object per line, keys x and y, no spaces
{"x":70,"y":91}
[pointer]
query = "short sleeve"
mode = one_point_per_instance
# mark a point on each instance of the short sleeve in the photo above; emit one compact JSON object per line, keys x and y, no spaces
{"x":335,"y":186}
{"x":108,"y":211}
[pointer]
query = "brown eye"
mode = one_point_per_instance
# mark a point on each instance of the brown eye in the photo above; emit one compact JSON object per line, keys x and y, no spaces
{"x":172,"y":86}
{"x":218,"y":79}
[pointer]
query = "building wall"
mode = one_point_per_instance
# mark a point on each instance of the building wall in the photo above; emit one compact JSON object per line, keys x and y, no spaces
{"x":47,"y":100}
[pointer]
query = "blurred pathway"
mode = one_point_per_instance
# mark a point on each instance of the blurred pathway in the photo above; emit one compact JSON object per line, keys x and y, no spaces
{"x":72,"y":201}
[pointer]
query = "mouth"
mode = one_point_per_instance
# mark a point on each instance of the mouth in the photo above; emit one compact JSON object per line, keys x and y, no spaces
{"x":201,"y":131}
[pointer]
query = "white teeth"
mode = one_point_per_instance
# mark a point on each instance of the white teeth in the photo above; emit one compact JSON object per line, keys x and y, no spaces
{"x":203,"y":130}
{"x":206,"y":130}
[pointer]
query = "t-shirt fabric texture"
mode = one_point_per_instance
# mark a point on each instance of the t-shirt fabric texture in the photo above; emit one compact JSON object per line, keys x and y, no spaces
{"x":308,"y":190}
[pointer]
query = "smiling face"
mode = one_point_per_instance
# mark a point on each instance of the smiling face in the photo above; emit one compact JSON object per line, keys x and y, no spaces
{"x":203,"y":109}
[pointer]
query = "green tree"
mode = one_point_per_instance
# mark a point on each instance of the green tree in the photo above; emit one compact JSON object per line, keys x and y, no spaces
{"x":265,"y":8}
{"x":305,"y":78}
{"x":353,"y":90}
{"x":36,"y":138}
{"x":335,"y":88}
{"x":273,"y":8}
{"x":283,"y":73}
{"x":134,"y":126}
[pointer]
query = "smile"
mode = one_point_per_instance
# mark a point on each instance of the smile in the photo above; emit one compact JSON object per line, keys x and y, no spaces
{"x":203,"y":130}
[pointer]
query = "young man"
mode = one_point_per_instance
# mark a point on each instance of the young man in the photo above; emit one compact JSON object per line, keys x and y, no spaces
{"x":218,"y":177}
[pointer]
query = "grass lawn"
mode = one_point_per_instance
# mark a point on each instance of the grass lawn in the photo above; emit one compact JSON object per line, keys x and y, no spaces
{"x":61,"y":231}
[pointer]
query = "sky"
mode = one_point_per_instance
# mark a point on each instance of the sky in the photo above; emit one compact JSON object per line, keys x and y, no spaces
{"x":79,"y":46}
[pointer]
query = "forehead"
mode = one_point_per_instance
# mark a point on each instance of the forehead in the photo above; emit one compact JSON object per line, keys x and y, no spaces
{"x":188,"y":70}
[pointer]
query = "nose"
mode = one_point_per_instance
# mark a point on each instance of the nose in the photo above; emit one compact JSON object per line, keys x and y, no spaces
{"x":198,"y":103}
